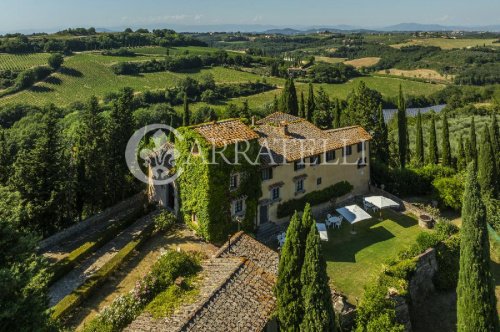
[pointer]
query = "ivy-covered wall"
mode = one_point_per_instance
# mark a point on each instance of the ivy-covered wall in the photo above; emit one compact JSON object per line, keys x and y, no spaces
{"x":204,"y":187}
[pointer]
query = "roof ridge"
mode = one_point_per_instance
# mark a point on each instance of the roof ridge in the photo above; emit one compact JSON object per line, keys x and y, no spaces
{"x":342,"y":128}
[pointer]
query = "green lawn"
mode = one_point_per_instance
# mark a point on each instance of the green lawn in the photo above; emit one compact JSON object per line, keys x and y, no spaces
{"x":354,"y":260}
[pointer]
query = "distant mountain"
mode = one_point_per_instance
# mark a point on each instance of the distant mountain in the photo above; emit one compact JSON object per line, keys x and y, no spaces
{"x":438,"y":27}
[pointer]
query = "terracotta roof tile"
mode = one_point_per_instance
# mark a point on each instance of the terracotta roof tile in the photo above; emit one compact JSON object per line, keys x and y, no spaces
{"x":221,"y":133}
{"x":291,"y":138}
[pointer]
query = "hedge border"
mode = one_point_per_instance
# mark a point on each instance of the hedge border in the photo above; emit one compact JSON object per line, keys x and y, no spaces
{"x":69,"y":302}
{"x":96,"y":241}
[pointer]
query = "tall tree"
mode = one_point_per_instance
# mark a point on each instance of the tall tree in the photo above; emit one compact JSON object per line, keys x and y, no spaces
{"x":302,"y":106}
{"x":461,"y":157}
{"x":276,"y":104}
{"x":495,"y":138}
{"x":288,"y":286}
{"x":289,"y":103}
{"x":316,"y":294}
{"x":307,"y":221}
{"x":419,"y":150}
{"x":322,"y":116}
{"x":433,"y":149}
{"x":473,"y":141}
{"x":186,"y":116}
{"x":24,"y":300}
{"x":476,"y":302}
{"x":117,"y":131}
{"x":90,"y":156}
{"x":487,"y":171}
{"x":337,"y":113}
{"x":445,"y":142}
{"x":402,"y":129}
{"x":4,"y":159}
{"x":311,"y":104}
{"x":38,"y":174}
{"x":381,"y":138}
{"x":362,"y":106}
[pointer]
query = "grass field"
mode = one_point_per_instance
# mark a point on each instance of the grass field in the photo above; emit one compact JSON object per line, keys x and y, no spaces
{"x":89,"y":74}
{"x":447,"y":43}
{"x":363,"y":62}
{"x":22,"y":61}
{"x":328,"y":59}
{"x":427,"y":74}
{"x":355,"y":260}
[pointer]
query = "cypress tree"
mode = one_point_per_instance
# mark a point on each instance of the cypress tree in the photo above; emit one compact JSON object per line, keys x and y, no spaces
{"x":276,"y":106}
{"x":90,"y":157}
{"x":468,"y":156}
{"x":316,"y":294}
{"x":4,"y":159}
{"x":473,"y":141}
{"x":311,"y":104}
{"x":186,"y":116}
{"x":307,"y":221}
{"x":495,"y":138}
{"x":445,"y":146}
{"x":476,"y":302}
{"x":380,"y":138}
{"x":117,"y":132}
{"x":337,"y":113}
{"x":302,"y":106}
{"x":288,"y":286}
{"x":461,"y":157}
{"x":433,"y":149}
{"x":419,"y":150}
{"x":402,"y":129}
{"x":487,"y":174}
{"x":289,"y":103}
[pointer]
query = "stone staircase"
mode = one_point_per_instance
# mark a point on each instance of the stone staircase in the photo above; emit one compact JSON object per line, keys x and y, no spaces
{"x":266,"y":233}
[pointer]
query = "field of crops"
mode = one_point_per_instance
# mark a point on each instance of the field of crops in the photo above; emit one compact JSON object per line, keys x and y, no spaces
{"x":90,"y":74}
{"x":22,"y":61}
{"x":427,"y":74}
{"x":447,"y":43}
{"x":363,"y":62}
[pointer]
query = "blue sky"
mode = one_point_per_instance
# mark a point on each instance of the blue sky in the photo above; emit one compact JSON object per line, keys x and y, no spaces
{"x":47,"y":14}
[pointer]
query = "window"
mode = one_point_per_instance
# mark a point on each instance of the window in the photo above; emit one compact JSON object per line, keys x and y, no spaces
{"x":194,"y":218}
{"x":361,"y":162}
{"x":195,"y":150}
{"x":267,"y":174}
{"x":360,"y":146}
{"x":318,"y":181}
{"x":315,"y":160}
{"x":233,"y":184}
{"x":275,"y":193}
{"x":238,"y":206}
{"x":347,"y":150}
{"x":299,"y":186}
{"x":330,"y":155}
{"x":299,"y":164}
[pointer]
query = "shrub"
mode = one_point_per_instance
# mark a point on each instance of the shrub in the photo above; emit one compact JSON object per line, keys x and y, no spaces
{"x":164,"y":221}
{"x":55,"y":61}
{"x":314,"y":198}
{"x":448,"y":259}
{"x":450,"y":190}
{"x":172,"y":265}
{"x":123,"y":310}
{"x":125,"y":68}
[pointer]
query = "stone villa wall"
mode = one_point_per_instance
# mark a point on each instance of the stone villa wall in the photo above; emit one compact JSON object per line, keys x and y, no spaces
{"x":136,"y":200}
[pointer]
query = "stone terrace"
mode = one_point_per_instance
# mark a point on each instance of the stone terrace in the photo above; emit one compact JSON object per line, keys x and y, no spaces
{"x":236,"y":292}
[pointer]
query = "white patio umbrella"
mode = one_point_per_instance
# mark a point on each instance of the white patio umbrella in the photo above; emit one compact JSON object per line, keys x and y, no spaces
{"x":381,"y":202}
{"x":353,"y":214}
{"x":323,"y":234}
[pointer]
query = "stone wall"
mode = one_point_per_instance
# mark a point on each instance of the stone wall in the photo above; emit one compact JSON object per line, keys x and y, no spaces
{"x":404,"y":205}
{"x":420,"y":287}
{"x":136,"y":200}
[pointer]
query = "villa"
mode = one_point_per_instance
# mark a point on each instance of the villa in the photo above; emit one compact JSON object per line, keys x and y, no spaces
{"x":232,"y":171}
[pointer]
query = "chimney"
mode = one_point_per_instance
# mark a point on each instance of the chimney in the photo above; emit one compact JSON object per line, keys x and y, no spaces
{"x":253,"y":120}
{"x":284,"y":128}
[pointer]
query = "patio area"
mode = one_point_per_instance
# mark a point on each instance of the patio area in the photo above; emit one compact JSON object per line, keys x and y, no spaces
{"x":355,"y":259}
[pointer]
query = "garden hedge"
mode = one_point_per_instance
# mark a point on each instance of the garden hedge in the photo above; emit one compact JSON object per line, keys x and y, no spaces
{"x":65,"y":265}
{"x":314,"y":198}
{"x":68,"y":303}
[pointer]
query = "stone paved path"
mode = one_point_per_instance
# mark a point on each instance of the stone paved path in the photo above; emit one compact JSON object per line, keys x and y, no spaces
{"x":139,"y":264}
{"x":89,"y":266}
{"x":62,"y":249}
